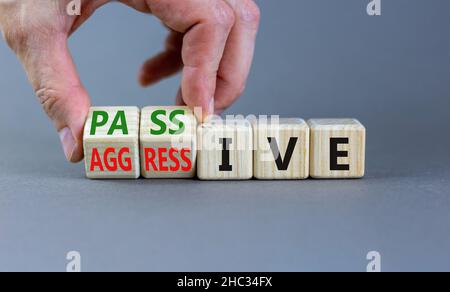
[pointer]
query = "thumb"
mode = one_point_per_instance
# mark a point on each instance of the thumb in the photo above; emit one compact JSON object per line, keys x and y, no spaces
{"x":58,"y":88}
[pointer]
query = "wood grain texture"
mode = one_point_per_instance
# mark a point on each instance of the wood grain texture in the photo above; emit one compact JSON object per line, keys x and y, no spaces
{"x":168,"y":155}
{"x":290,"y":145}
{"x":112,"y":165}
{"x":351,"y":156}
{"x":211,"y":155}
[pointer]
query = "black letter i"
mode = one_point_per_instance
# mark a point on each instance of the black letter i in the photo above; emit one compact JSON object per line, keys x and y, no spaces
{"x":225,"y":166}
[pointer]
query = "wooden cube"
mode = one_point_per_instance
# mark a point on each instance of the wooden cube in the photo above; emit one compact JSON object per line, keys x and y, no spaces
{"x":337,"y":148}
{"x":281,"y":149}
{"x":168,"y":142}
{"x":225,"y":150}
{"x":111,"y":143}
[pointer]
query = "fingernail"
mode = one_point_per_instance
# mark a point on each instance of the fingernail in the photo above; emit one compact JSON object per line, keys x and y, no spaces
{"x":144,"y":78}
{"x":208,"y":110}
{"x":68,"y":142}
{"x":211,"y":107}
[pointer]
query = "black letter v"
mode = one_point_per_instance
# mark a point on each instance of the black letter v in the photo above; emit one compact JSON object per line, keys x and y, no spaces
{"x":282,"y":164}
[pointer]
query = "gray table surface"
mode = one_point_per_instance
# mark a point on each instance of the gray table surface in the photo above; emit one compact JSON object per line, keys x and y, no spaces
{"x":314,"y":59}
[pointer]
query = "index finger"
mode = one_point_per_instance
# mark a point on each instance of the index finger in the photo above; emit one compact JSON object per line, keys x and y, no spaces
{"x":207,"y":25}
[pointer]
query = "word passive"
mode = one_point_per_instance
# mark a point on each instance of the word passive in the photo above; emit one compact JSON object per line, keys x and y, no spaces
{"x":167,"y":142}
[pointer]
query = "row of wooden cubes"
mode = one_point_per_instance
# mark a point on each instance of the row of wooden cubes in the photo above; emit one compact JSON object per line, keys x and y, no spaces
{"x":167,"y":142}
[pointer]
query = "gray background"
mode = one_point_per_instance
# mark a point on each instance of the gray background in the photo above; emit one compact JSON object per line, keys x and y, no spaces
{"x":314,"y":58}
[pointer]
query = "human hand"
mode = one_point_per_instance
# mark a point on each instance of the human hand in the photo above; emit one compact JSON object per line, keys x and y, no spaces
{"x":211,"y":41}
